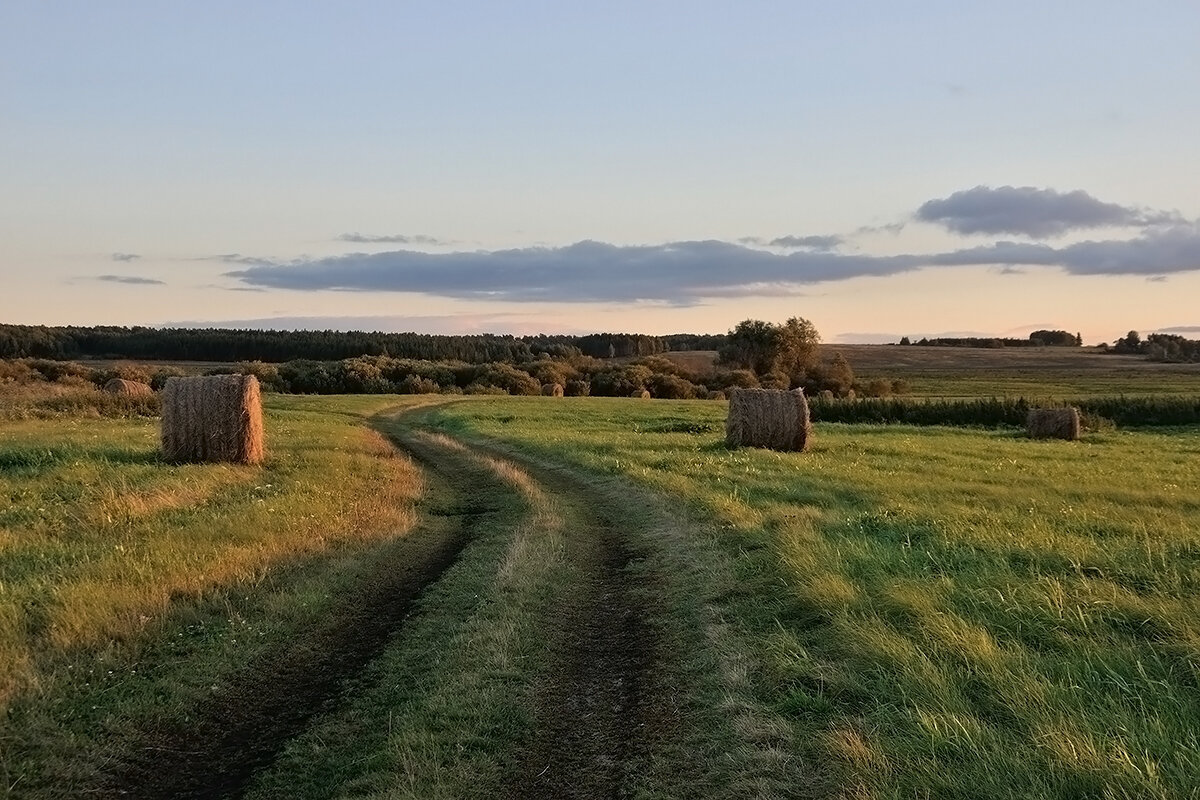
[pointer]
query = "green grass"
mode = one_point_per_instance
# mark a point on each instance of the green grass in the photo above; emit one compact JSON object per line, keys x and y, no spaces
{"x":900,"y":612}
{"x":128,"y":585}
{"x":938,"y":612}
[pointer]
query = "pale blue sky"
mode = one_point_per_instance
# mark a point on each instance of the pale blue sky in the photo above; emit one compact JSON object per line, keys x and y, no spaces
{"x":149,"y":150}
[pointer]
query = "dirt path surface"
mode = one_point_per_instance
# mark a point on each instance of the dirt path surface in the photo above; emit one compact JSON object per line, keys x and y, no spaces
{"x":225,"y":743}
{"x":598,"y":710}
{"x":596,"y":706}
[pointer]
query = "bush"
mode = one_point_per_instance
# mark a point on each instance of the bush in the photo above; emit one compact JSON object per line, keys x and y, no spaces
{"x":671,"y":387}
{"x":415,"y":384}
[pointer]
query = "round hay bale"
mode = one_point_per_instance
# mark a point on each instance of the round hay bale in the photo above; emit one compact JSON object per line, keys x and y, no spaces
{"x":716,"y":395}
{"x":213,"y":418}
{"x":552,"y":389}
{"x":826,"y":394}
{"x":128,"y":388}
{"x":640,"y":393}
{"x":1053,"y":423}
{"x":772,"y":418}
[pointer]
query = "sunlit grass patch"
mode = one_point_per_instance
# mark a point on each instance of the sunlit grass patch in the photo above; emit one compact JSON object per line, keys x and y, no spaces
{"x":942,"y":611}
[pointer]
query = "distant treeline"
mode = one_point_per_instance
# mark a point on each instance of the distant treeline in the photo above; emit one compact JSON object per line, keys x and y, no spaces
{"x":223,"y":344}
{"x":995,"y":411}
{"x":1036,"y":339}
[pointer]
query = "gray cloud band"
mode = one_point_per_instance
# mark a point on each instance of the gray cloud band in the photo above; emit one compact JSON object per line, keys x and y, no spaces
{"x":1029,"y":211}
{"x":684,"y":272}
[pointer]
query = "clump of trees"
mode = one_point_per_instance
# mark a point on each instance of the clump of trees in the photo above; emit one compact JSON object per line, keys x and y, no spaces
{"x":787,"y":356}
{"x":1165,"y":347}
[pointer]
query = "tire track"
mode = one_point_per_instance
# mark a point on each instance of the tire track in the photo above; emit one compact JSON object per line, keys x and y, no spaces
{"x":227,"y":742}
{"x":598,"y":707}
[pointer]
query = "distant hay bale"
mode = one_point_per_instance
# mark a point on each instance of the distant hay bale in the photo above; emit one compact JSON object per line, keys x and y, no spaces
{"x":771,"y":418}
{"x":640,"y":393}
{"x":213,"y":418}
{"x":552,"y":389}
{"x":826,"y":394}
{"x":1053,"y":423}
{"x":128,"y":388}
{"x":716,"y":395}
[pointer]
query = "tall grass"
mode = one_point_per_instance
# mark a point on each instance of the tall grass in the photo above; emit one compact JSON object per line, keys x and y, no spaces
{"x":939,"y":612}
{"x":102,"y":544}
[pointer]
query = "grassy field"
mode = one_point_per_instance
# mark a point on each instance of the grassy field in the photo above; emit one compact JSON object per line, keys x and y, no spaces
{"x":1005,"y":372}
{"x":939,"y":612}
{"x":107,"y":555}
{"x":900,"y":612}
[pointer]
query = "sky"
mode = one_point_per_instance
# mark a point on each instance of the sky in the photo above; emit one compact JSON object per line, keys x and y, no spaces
{"x":881,"y":169}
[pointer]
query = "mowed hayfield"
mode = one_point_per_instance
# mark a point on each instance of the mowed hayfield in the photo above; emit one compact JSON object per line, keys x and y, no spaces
{"x":1034,"y":372}
{"x":900,"y":612}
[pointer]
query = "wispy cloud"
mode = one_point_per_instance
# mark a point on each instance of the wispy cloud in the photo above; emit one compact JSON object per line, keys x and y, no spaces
{"x":683,"y":272}
{"x":130,"y":279}
{"x":807,"y":242}
{"x":125,"y":257}
{"x":250,"y":261}
{"x":393,"y":238}
{"x":1038,"y":213}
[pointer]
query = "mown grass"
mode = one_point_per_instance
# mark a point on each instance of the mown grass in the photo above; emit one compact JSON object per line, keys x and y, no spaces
{"x":938,"y":612}
{"x":128,"y":586}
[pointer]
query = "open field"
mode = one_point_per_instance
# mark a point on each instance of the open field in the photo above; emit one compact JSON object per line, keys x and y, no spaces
{"x":539,"y":597}
{"x":939,"y":612}
{"x":1061,"y":372}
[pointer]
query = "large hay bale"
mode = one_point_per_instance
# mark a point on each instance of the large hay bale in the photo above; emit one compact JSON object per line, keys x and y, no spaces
{"x":640,"y":393}
{"x":1053,"y":423}
{"x":213,"y":418}
{"x":128,"y":388}
{"x":771,"y":418}
{"x":552,"y":389}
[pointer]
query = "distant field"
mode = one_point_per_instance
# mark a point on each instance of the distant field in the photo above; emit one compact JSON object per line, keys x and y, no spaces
{"x":1030,"y":372}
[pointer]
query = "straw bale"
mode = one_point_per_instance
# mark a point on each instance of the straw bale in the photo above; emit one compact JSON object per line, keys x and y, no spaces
{"x":213,"y":418}
{"x":1053,"y":423}
{"x":640,"y":393}
{"x":128,"y":388}
{"x":552,"y":389}
{"x":716,"y":394}
{"x":826,"y":394}
{"x":771,"y":418}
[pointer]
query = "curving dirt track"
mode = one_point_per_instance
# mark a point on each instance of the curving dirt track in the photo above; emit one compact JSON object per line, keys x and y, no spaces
{"x":597,"y":710}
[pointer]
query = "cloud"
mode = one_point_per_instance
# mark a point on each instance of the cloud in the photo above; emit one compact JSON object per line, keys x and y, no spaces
{"x":125,"y":257}
{"x":681,"y":273}
{"x":807,"y":242}
{"x":1033,"y":212}
{"x":1180,"y":329}
{"x":238,"y":258}
{"x":395,"y":238}
{"x":678,"y":272}
{"x":130,"y":279}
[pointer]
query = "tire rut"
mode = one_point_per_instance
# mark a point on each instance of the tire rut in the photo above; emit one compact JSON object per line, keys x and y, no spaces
{"x":598,"y":708}
{"x":222,"y":747}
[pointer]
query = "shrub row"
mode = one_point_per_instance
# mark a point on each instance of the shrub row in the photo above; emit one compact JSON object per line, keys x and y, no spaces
{"x":1127,"y":411}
